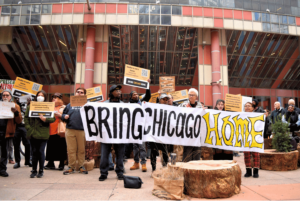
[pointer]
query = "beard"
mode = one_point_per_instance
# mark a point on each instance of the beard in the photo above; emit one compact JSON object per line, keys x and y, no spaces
{"x":5,"y":100}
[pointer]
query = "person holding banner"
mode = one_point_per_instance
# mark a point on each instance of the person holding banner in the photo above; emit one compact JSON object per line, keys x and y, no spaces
{"x":75,"y":136}
{"x":56,"y":146}
{"x":191,"y":153}
{"x":247,"y":154}
{"x":7,"y":130}
{"x":38,"y":133}
{"x":114,"y":97}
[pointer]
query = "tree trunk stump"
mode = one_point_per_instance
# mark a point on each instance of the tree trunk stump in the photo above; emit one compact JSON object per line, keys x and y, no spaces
{"x":207,"y":153}
{"x":278,"y":161}
{"x":210,"y":179}
{"x":268,"y":143}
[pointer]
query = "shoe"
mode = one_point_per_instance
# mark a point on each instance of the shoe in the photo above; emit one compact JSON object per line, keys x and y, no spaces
{"x":33,"y":173}
{"x":135,"y":166}
{"x":69,"y":171}
{"x":255,"y":173}
{"x":4,"y":174}
{"x":248,"y":173}
{"x":50,"y":166}
{"x":144,"y":168}
{"x":17,"y":165}
{"x":121,"y":177}
{"x":111,"y":169}
{"x":102,"y":178}
{"x":41,"y":174}
{"x":83,"y":170}
{"x":28,"y":163}
{"x":11,"y":162}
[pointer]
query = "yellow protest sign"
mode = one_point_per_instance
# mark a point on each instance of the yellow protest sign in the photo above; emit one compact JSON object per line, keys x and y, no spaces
{"x":167,"y":84}
{"x":233,"y":103}
{"x":94,"y":94}
{"x":154,"y":97}
{"x":180,"y":96}
{"x":24,"y":87}
{"x":41,"y":108}
{"x":78,"y":101}
{"x":136,"y":77}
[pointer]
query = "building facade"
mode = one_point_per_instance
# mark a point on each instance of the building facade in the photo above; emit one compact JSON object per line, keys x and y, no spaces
{"x":216,"y":46}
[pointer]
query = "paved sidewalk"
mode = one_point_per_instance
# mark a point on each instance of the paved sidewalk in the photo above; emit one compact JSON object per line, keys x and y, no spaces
{"x":56,"y":186}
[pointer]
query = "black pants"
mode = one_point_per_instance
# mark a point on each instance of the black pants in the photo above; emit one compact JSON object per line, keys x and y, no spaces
{"x":20,"y":135}
{"x":155,"y":147}
{"x":3,"y":161}
{"x":104,"y":161}
{"x":56,"y":150}
{"x":191,"y":153}
{"x":38,"y":153}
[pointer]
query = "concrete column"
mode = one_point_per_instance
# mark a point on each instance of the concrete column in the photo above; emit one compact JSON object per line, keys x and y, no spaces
{"x":215,"y":61}
{"x":89,"y":57}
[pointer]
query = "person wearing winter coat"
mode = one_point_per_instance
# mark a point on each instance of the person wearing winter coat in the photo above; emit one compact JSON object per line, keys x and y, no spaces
{"x":292,"y":118}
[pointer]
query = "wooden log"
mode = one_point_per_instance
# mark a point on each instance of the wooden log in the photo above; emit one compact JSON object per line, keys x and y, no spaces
{"x":207,"y":153}
{"x":268,"y":143}
{"x":278,"y":161}
{"x":210,"y":179}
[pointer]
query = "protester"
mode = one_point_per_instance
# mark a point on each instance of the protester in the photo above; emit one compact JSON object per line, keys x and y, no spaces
{"x":291,"y":102}
{"x":189,"y":152}
{"x":275,"y":115}
{"x":38,"y":133}
{"x":56,"y":146}
{"x":202,"y":104}
{"x":219,"y":153}
{"x":256,"y":108}
{"x":292,"y":118}
{"x":20,"y":135}
{"x":114,"y":97}
{"x":267,"y":132}
{"x":247,"y":155}
{"x":7,"y":130}
{"x":170,"y":101}
{"x":75,"y":136}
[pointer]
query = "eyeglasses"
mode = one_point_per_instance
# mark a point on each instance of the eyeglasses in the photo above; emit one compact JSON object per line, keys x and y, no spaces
{"x":80,"y":92}
{"x":191,"y":95}
{"x":5,"y":95}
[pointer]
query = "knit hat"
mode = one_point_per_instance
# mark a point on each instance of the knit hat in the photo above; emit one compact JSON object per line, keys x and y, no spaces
{"x":256,"y":101}
{"x":9,"y":91}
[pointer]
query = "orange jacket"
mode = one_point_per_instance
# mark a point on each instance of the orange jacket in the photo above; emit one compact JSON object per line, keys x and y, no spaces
{"x":12,"y":123}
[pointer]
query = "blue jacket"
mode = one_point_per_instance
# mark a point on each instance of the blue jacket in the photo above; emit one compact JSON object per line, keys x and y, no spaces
{"x":74,"y":121}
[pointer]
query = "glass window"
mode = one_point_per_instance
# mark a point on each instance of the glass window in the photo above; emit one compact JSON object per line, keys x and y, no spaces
{"x":144,"y":9}
{"x":256,"y":16}
{"x":165,"y":9}
{"x":144,"y":19}
{"x":5,"y":10}
{"x":14,"y":20}
{"x":47,"y":9}
{"x":176,"y":10}
{"x":133,"y":9}
{"x":284,"y":29}
{"x":283,"y":19}
{"x":275,"y":28}
{"x":166,"y":19}
{"x":36,"y":9}
{"x":266,"y":27}
{"x":26,"y":10}
{"x":265,"y":17}
{"x":15,"y":10}
{"x":291,"y":20}
{"x":154,"y":19}
{"x":25,"y":19}
{"x":274,"y":18}
{"x":155,"y":9}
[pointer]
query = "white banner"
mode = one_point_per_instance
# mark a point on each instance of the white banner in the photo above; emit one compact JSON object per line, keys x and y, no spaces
{"x":113,"y":123}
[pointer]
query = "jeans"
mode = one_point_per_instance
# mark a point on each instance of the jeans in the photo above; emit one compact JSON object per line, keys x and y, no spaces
{"x":111,"y":163}
{"x":38,"y":153}
{"x":191,"y":153}
{"x":139,"y":151}
{"x":4,"y":156}
{"x":104,"y":161}
{"x":20,"y":135}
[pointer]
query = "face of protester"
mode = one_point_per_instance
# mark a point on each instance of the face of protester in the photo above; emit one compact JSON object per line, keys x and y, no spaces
{"x":248,"y":107}
{"x":135,"y":97}
{"x":192,"y":97}
{"x":6,"y":97}
{"x":56,"y":100}
{"x":266,"y":113}
{"x":291,"y":109}
{"x":220,"y":105}
{"x":276,"y":105}
{"x":164,"y":101}
{"x":117,"y":93}
{"x":79,"y":92}
{"x":291,"y":102}
{"x":170,"y":101}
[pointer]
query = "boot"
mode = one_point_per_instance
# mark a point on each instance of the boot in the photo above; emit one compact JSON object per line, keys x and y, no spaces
{"x":248,"y":173}
{"x":144,"y":168}
{"x":255,"y":173}
{"x":135,"y":166}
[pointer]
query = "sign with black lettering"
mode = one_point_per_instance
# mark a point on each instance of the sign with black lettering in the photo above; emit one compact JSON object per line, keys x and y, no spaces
{"x":167,"y":84}
{"x":136,"y":77}
{"x":94,"y":94}
{"x":41,"y":108}
{"x":24,"y":87}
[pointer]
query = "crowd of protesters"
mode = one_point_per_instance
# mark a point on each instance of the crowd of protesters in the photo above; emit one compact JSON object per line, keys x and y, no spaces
{"x":65,"y":138}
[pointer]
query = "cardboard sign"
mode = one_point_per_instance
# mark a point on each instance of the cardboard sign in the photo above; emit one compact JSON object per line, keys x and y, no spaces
{"x":180,"y":96}
{"x":78,"y":101}
{"x":41,"y":108}
{"x":94,"y":94}
{"x":5,"y":110}
{"x":6,"y":84}
{"x":167,"y":84}
{"x":24,"y":87}
{"x":154,"y":97}
{"x":233,"y":103}
{"x":136,"y":77}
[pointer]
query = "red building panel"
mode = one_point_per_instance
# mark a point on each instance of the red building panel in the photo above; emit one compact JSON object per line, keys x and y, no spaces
{"x":56,"y":8}
{"x":273,"y":92}
{"x":261,"y":92}
{"x":207,"y":55}
{"x":79,"y":49}
{"x":249,"y":92}
{"x":105,"y":50}
{"x":122,"y":8}
{"x":68,"y":8}
{"x":78,"y":8}
{"x":86,"y":8}
{"x":197,"y":11}
{"x":238,"y":14}
{"x":295,"y":93}
{"x":200,"y":54}
{"x":226,"y":91}
{"x":100,"y":8}
{"x":218,"y":23}
{"x":228,"y":13}
{"x":236,"y":91}
{"x":64,"y":89}
{"x":187,"y":10}
{"x":247,"y":15}
{"x":98,"y":52}
{"x":208,"y":12}
{"x":218,"y":12}
{"x":88,"y":18}
{"x":208,"y":96}
{"x":111,"y":8}
{"x":298,"y":21}
{"x":273,"y":100}
{"x":224,"y":55}
{"x":201,"y":93}
{"x":284,"y":93}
